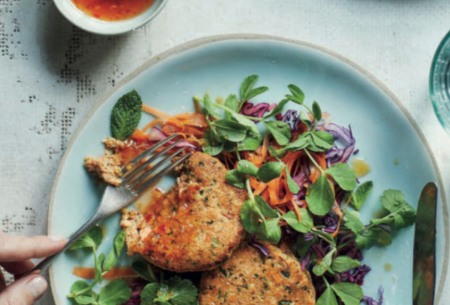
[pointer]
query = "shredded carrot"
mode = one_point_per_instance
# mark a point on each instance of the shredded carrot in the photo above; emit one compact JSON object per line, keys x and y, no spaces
{"x":297,"y":210}
{"x":139,"y":136}
{"x":89,"y":273}
{"x":155,"y":112}
{"x":335,"y":233}
{"x":152,"y":124}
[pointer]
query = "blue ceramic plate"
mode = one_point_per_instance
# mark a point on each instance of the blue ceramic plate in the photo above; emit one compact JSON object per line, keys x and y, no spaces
{"x":383,"y":130}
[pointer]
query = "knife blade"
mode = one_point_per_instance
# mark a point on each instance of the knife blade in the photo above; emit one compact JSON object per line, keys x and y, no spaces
{"x":424,"y":261}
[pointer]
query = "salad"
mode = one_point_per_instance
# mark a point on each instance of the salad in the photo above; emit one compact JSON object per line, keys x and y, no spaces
{"x":300,"y":192}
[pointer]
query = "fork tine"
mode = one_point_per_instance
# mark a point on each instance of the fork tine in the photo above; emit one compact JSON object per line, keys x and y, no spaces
{"x":146,"y":153}
{"x":134,"y":172}
{"x":159,"y":175}
{"x":145,"y":175}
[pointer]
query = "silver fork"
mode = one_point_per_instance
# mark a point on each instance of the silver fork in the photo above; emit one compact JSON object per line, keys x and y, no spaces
{"x":135,"y":180}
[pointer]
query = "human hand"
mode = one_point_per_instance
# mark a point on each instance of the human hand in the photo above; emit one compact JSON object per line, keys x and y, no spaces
{"x":15,"y":254}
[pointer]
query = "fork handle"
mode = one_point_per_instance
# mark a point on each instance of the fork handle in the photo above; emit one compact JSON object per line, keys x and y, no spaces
{"x":46,"y":262}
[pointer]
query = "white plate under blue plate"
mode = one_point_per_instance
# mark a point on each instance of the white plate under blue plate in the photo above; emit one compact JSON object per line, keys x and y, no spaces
{"x":382,"y":128}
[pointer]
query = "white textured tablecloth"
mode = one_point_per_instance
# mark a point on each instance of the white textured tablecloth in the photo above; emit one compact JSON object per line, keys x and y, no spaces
{"x":52,"y":73}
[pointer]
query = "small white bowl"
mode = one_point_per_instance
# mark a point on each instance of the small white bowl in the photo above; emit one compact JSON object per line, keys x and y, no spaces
{"x":102,"y":27}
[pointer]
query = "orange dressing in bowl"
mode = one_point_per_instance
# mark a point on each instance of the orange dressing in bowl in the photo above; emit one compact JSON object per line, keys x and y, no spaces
{"x":113,"y":10}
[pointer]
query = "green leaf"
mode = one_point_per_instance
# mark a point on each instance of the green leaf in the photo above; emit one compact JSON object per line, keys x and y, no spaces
{"x":269,"y":171}
{"x":235,"y":178}
{"x":322,"y":267}
{"x":344,"y":263}
{"x":264,"y":207}
{"x":344,"y":176}
{"x":303,"y":245}
{"x":305,"y":118}
{"x":352,"y":221}
{"x":293,"y":186}
{"x":360,"y":195}
{"x":327,"y":298}
{"x":277,"y":110}
{"x":230,"y":130}
{"x":181,"y":292}
{"x":249,"y":217}
{"x":280,"y":131}
{"x":91,"y":239}
{"x":402,"y":214}
{"x":247,"y":168}
{"x":322,"y":139}
{"x":77,"y":288}
{"x":99,"y":268}
{"x":302,"y":226}
{"x":232,"y":102}
{"x":373,"y":236}
{"x":270,"y":231}
{"x":114,"y":254}
{"x":254,"y":92}
{"x":115,"y":293}
{"x":325,"y":236}
{"x":145,"y":271}
{"x":302,"y":142}
{"x":297,"y":94}
{"x":383,"y":238}
{"x":317,"y":113}
{"x":321,"y":197}
{"x":350,"y":294}
{"x":148,"y":294}
{"x":210,"y":107}
{"x":252,"y":141}
{"x":247,"y":85}
{"x":89,"y":298}
{"x":126,"y":115}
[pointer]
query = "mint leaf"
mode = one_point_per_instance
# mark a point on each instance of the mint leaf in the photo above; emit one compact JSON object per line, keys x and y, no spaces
{"x":91,"y":239}
{"x":321,"y":197}
{"x":327,"y":298}
{"x":360,"y":195}
{"x":317,"y":113}
{"x":293,"y":186}
{"x":302,"y":226}
{"x":350,"y":294}
{"x":235,"y":178}
{"x":230,"y":130}
{"x":269,"y":171}
{"x":280,"y":131}
{"x":402,"y":214}
{"x":148,"y":294}
{"x":126,"y":115}
{"x":344,"y":263}
{"x":323,"y":266}
{"x":249,"y":217}
{"x":114,"y":254}
{"x":264,"y":207}
{"x":247,"y":168}
{"x":115,"y":293}
{"x":145,"y":271}
{"x":344,"y":176}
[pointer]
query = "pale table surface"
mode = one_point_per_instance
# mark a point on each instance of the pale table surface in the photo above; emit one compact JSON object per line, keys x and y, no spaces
{"x":51,"y":73}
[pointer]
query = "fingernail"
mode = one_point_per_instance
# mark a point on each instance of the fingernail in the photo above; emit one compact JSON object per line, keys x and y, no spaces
{"x":36,"y":287}
{"x":57,"y":237}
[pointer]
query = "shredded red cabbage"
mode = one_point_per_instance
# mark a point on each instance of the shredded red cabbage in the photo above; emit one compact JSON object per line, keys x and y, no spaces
{"x":157,"y":135}
{"x":371,"y":301}
{"x":256,"y":111}
{"x":252,"y":242}
{"x":356,"y":275}
{"x":344,"y":136}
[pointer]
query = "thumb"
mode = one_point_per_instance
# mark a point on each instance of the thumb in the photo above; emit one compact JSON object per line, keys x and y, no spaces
{"x":24,"y":291}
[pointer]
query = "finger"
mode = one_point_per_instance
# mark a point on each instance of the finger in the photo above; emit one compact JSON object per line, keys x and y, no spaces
{"x":19,"y":248}
{"x":2,"y":282}
{"x":18,"y":268}
{"x":25,"y":291}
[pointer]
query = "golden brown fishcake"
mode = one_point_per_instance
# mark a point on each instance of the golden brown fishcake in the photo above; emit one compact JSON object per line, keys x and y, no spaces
{"x":248,"y":277}
{"x":195,"y":226}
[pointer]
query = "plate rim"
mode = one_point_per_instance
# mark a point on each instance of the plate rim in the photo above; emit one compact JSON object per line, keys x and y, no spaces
{"x":192,"y":44}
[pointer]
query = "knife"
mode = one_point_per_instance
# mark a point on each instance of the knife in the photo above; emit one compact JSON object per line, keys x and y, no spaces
{"x":424,"y":261}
